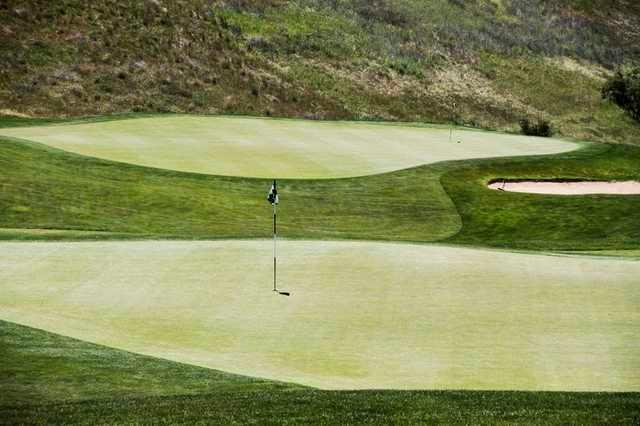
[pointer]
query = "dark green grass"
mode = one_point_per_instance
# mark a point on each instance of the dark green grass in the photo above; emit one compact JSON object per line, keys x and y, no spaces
{"x":529,"y":221}
{"x":47,"y":378}
{"x":45,"y":188}
{"x":38,"y":366}
{"x":11,"y":121}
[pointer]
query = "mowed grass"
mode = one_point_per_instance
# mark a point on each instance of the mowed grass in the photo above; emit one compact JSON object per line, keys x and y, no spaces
{"x":48,"y":189}
{"x":40,"y":367}
{"x":48,"y":378}
{"x":511,"y":220}
{"x":269,"y":148}
{"x":361,"y":315}
{"x":51,"y":194}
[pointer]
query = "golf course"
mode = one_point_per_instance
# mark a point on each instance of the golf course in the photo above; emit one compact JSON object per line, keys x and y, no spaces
{"x":146,"y":238}
{"x":320,"y":212}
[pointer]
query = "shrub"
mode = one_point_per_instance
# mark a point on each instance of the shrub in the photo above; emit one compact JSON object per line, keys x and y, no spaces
{"x":623,"y":88}
{"x":541,"y":128}
{"x":406,"y":67}
{"x":383,"y":11}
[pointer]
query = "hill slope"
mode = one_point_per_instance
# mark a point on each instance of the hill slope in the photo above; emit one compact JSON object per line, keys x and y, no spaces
{"x":479,"y":63}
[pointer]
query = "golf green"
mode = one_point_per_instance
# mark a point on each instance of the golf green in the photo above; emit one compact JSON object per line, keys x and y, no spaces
{"x":361,"y":315}
{"x":268,"y":148}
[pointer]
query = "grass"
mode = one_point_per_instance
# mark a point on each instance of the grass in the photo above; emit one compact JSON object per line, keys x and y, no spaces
{"x":211,"y":304}
{"x":87,"y":198}
{"x":408,"y":60}
{"x":46,"y":367}
{"x":44,"y":188}
{"x":539,"y":80}
{"x":205,"y":396}
{"x":529,"y":221}
{"x":277,"y":148}
{"x":52,"y":194}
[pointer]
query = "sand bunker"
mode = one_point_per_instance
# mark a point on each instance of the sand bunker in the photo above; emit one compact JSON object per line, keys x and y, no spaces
{"x":569,"y":188}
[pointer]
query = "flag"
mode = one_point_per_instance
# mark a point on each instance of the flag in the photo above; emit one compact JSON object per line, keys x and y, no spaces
{"x":273,"y":194}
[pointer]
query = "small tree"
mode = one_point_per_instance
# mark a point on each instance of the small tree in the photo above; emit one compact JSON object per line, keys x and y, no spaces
{"x":624,"y":90}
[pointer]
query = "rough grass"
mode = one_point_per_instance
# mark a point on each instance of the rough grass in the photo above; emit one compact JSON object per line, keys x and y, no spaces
{"x":33,"y":360}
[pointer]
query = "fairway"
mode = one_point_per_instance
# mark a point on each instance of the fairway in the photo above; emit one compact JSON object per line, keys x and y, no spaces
{"x":270,"y":148}
{"x":361,"y":315}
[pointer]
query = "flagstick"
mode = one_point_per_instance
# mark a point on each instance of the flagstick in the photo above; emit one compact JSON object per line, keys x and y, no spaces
{"x":274,"y":247}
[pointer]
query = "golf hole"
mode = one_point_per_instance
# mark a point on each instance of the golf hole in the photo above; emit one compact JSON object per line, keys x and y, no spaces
{"x":566,"y":187}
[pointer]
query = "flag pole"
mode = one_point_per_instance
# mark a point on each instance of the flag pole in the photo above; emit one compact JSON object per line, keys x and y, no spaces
{"x":273,"y":199}
{"x":275,"y":233}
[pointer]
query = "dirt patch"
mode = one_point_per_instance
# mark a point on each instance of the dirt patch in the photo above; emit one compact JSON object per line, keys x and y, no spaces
{"x":12,"y":113}
{"x":568,"y":188}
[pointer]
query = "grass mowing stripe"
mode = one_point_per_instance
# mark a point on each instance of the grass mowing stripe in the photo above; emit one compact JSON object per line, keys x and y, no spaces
{"x":531,"y":221}
{"x":45,"y":188}
{"x":57,"y":377}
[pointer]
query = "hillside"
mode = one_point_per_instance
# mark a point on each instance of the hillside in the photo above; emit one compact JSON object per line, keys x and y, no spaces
{"x":479,"y":63}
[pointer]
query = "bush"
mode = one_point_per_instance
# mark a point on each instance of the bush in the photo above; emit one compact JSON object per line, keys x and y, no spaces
{"x":383,"y":11}
{"x":624,"y":90}
{"x":541,"y":128}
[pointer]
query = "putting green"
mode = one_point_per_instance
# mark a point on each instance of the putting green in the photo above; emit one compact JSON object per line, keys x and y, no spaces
{"x":278,"y":148}
{"x":362,"y":315}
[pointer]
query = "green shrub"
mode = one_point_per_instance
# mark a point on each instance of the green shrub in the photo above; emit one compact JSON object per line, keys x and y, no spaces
{"x":623,"y":88}
{"x":406,"y":67}
{"x":541,"y":128}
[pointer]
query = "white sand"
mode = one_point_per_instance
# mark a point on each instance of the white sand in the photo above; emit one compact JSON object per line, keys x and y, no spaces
{"x":570,"y":188}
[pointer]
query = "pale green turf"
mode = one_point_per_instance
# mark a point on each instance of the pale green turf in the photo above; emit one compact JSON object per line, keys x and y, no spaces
{"x":362,"y":315}
{"x":278,"y":148}
{"x":627,"y":254}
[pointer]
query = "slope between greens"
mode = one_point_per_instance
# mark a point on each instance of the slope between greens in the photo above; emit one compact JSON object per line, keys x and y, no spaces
{"x":44,"y":188}
{"x":66,"y":196}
